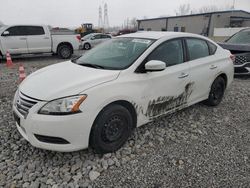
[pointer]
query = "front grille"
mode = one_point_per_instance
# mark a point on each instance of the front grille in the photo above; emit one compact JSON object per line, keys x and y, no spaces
{"x":24,"y":103}
{"x":240,"y":70}
{"x":241,"y":58}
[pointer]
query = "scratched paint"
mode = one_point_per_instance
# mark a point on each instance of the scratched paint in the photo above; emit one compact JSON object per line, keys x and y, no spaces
{"x":163,"y":104}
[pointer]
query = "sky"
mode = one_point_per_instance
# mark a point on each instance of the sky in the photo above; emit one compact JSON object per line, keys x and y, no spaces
{"x":72,"y":13}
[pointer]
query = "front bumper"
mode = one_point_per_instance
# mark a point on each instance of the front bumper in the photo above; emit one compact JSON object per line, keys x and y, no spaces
{"x":242,"y":64}
{"x":58,"y":133}
{"x":243,"y":69}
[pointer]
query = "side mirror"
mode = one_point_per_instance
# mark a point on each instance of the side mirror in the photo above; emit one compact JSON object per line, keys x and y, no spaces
{"x":6,"y":33}
{"x":155,"y":65}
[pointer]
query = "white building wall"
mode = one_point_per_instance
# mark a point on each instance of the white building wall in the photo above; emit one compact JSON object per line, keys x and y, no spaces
{"x":153,"y":25}
{"x":192,"y":24}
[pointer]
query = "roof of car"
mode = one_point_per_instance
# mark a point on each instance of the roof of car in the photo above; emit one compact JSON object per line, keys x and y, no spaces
{"x":158,"y":34}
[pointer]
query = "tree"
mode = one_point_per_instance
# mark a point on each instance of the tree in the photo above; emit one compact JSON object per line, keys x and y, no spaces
{"x":183,"y":10}
{"x":133,"y":23}
{"x":206,"y":9}
{"x":212,"y":8}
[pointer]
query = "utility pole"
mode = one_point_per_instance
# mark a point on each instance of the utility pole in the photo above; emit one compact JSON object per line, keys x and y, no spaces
{"x":233,"y":5}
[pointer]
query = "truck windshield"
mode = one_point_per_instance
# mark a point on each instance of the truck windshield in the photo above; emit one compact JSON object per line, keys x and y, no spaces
{"x":242,"y":37}
{"x":115,"y":54}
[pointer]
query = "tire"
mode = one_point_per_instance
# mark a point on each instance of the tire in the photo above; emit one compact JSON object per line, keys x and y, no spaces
{"x":65,"y":51}
{"x":86,"y":46}
{"x":111,"y":129}
{"x":216,"y":93}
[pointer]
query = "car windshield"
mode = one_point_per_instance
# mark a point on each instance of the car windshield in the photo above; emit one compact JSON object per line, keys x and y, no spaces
{"x":242,"y":37}
{"x":115,"y":54}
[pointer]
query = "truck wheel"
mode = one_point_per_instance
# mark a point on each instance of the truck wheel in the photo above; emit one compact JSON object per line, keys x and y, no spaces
{"x":65,"y":51}
{"x":216,"y":93}
{"x":111,"y":129}
{"x":86,"y":46}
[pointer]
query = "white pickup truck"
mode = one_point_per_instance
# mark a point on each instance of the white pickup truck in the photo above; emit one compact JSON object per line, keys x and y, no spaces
{"x":33,"y":39}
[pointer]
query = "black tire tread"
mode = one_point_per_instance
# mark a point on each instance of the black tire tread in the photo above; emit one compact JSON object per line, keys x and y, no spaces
{"x":95,"y":142}
{"x":210,"y":101}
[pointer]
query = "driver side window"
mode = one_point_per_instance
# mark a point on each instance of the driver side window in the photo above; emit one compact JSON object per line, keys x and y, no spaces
{"x":170,"y":52}
{"x":17,"y":31}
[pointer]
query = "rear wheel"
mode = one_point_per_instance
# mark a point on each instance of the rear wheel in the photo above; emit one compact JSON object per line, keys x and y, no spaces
{"x":65,"y":51}
{"x":111,"y":129}
{"x":216,"y":93}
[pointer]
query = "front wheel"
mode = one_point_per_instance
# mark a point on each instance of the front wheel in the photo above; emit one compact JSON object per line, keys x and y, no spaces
{"x":216,"y":93}
{"x":86,"y":46}
{"x":111,"y":129}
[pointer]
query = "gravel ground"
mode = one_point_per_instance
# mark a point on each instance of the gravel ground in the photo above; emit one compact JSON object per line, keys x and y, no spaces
{"x":196,"y":147}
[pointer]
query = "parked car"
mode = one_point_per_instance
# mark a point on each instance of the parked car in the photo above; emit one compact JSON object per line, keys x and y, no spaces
{"x":99,"y":98}
{"x":32,"y":39}
{"x":239,"y":45}
{"x":93,"y":39}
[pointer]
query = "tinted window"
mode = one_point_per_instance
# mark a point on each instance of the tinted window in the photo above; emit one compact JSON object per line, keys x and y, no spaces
{"x":197,"y":48}
{"x":106,"y":36}
{"x":97,"y":36}
{"x":17,"y":31}
{"x":212,"y":48}
{"x":25,"y":30}
{"x":170,"y":52}
{"x":242,"y":37}
{"x":35,"y":30}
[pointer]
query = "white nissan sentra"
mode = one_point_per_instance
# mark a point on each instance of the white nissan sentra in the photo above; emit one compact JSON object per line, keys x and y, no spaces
{"x":98,"y":99}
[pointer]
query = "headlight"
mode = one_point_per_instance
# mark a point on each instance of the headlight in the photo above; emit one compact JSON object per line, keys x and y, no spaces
{"x":63,"y":106}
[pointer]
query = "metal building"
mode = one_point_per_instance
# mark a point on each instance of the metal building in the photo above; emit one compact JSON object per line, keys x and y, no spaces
{"x":202,"y":24}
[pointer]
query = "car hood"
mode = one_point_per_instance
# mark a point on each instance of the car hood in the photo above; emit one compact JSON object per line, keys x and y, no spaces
{"x":64,"y":79}
{"x":236,"y":47}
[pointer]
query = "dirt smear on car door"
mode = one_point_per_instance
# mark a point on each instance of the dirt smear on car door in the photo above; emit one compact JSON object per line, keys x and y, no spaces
{"x":163,"y":104}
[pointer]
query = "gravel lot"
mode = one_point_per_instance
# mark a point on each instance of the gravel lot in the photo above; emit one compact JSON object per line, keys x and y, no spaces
{"x":196,"y":147}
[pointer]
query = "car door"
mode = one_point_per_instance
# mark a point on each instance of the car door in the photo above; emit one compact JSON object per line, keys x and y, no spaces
{"x":105,"y":37}
{"x":38,"y":41}
{"x":169,"y":89}
{"x":95,"y":40}
{"x":16,"y":41}
{"x":203,"y":66}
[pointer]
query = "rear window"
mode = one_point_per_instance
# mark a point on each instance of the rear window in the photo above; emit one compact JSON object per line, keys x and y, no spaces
{"x":212,"y":48}
{"x":197,"y":48}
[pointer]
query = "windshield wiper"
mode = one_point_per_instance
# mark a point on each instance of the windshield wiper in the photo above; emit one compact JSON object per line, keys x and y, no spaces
{"x":92,"y":65}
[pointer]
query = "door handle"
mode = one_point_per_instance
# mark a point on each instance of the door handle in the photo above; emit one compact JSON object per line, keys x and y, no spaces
{"x":183,"y":75}
{"x":23,"y":38}
{"x":213,"y":67}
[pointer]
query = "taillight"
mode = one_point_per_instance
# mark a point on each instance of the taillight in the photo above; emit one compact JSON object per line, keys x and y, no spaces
{"x":78,"y":37}
{"x":232,"y":57}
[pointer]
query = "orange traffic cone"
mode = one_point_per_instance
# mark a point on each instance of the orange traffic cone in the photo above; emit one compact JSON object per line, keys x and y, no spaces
{"x":9,"y":62}
{"x":22,"y":74}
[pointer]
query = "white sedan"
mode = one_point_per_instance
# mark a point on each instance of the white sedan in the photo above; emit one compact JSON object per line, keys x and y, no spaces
{"x":93,"y":39}
{"x":98,"y":99}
